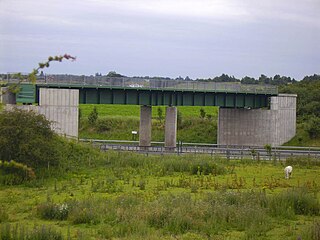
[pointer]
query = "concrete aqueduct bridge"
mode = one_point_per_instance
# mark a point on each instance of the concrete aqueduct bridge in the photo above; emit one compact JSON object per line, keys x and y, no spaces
{"x":248,"y":114}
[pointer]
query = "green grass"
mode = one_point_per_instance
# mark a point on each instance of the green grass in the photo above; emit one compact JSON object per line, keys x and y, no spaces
{"x":116,"y":122}
{"x":129,"y":196}
{"x":302,"y":138}
{"x":108,"y":110}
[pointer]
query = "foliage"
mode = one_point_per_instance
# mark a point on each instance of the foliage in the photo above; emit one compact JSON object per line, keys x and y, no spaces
{"x":27,"y":138}
{"x":293,"y":202}
{"x":308,"y":109}
{"x":160,"y":114}
{"x":122,"y":195}
{"x":202,"y":113}
{"x":3,"y":215}
{"x":302,"y":161}
{"x":114,"y":74}
{"x":116,"y":127}
{"x":179,"y":119}
{"x":51,"y":211}
{"x":17,"y":172}
{"x":313,"y":127}
{"x":21,"y":232}
{"x":308,"y":99}
{"x":263,"y":79}
{"x":93,"y":116}
{"x":31,"y":77}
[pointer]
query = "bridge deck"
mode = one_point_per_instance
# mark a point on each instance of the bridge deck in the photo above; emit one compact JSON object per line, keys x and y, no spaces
{"x":102,"y":90}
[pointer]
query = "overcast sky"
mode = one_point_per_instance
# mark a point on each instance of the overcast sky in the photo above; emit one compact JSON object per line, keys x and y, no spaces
{"x":169,"y":38}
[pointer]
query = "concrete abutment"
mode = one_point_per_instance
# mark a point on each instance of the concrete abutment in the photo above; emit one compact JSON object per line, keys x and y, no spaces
{"x":258,"y":127}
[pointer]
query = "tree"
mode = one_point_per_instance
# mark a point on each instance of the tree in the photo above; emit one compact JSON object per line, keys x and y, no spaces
{"x":27,"y":138}
{"x":313,"y":127}
{"x":93,"y":116}
{"x":114,"y":74}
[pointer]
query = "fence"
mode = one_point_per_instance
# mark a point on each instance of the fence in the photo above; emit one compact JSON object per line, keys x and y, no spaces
{"x":229,"y":152}
{"x":143,"y":83}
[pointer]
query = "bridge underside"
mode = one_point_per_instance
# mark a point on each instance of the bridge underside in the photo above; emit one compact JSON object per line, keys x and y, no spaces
{"x":172,"y":98}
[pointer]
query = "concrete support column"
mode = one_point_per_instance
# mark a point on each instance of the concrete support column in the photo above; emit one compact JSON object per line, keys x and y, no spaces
{"x":7,"y":97}
{"x":171,"y":127}
{"x":145,"y":126}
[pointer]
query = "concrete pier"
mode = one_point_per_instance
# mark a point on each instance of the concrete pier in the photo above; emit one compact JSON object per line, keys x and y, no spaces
{"x":171,"y":128}
{"x":258,"y":127}
{"x":7,"y":97}
{"x":145,"y":126}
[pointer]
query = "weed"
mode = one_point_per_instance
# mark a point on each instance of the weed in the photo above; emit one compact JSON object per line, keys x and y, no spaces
{"x":3,"y":215}
{"x":43,"y":232}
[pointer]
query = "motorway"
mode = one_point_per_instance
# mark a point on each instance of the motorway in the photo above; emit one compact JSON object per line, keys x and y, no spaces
{"x":230,"y":152}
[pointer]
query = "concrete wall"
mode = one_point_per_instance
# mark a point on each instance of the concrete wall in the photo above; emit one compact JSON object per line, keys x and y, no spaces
{"x":7,"y":97}
{"x":258,"y":127}
{"x":60,"y":106}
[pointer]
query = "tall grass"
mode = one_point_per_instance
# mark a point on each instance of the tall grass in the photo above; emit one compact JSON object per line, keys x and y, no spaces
{"x":174,"y":214}
{"x":3,"y":215}
{"x":302,"y":161}
{"x":296,"y":201}
{"x":20,"y":232}
{"x":162,"y":165}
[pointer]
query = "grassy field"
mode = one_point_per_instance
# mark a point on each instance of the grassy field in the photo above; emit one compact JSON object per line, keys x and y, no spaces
{"x":108,"y":110}
{"x":116,"y":122}
{"x":129,"y":196}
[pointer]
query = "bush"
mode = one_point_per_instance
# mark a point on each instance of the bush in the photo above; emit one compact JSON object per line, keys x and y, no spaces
{"x":27,"y":138}
{"x":93,"y":116}
{"x":15,"y":173}
{"x":313,"y":127}
{"x":50,"y":211}
{"x":88,"y":211}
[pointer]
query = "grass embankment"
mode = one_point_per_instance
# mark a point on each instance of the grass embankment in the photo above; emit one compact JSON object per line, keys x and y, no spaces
{"x":118,"y":195}
{"x":302,"y":138}
{"x":116,"y":122}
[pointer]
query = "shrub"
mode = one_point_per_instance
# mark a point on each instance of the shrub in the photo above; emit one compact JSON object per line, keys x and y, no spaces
{"x":313,"y":127}
{"x":15,"y":173}
{"x":93,"y":116}
{"x":89,"y":211}
{"x":50,"y":211}
{"x":27,"y":138}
